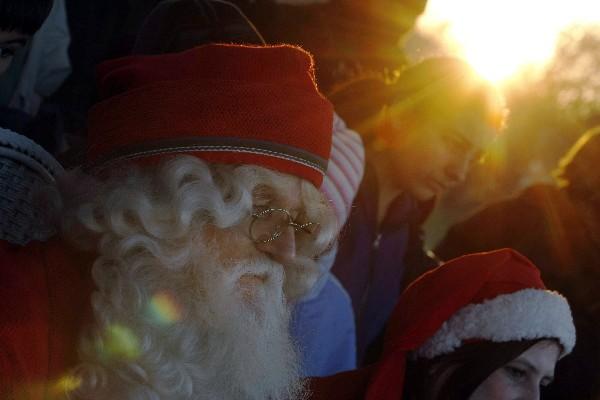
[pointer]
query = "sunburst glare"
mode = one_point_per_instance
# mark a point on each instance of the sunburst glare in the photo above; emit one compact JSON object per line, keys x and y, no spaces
{"x":499,"y":37}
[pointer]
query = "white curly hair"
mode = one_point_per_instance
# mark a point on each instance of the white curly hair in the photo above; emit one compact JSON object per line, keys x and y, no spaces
{"x":148,"y":226}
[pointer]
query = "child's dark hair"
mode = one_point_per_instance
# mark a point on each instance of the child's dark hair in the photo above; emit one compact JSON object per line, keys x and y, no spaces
{"x":456,"y":375}
{"x":23,"y":16}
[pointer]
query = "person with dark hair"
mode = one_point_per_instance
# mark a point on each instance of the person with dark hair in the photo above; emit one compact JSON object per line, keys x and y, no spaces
{"x":34,"y":40}
{"x":479,"y":327}
{"x":176,"y":25}
{"x":25,"y":16}
{"x":19,"y":20}
{"x":458,"y":375}
{"x":559,"y":229}
{"x":421,"y":134}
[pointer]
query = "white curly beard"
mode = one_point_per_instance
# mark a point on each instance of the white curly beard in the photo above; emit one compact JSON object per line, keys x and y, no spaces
{"x":152,"y":229}
{"x":256,"y":356}
{"x":231,"y":343}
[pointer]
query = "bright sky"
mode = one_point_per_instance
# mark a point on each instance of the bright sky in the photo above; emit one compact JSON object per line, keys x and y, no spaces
{"x":497,"y":37}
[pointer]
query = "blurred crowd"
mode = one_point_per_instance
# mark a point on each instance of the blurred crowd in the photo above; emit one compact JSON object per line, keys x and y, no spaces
{"x":211,"y":199}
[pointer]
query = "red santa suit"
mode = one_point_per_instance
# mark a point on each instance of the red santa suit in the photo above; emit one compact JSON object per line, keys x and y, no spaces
{"x":45,"y":290}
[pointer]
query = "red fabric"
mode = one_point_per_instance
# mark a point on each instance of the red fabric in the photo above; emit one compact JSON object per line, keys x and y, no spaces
{"x":263,"y":93}
{"x":45,"y":294}
{"x":437,"y":295}
{"x":421,"y":310}
{"x":291,"y":168}
{"x":349,"y":385}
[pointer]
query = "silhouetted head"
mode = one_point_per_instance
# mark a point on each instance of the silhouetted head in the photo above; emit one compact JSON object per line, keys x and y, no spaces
{"x":577,"y":170}
{"x":427,"y":126}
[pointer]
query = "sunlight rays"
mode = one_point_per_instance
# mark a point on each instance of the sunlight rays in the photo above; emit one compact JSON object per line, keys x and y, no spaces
{"x":500,"y":37}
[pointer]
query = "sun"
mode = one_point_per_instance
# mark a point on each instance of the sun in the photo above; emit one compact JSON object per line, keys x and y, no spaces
{"x":500,"y":37}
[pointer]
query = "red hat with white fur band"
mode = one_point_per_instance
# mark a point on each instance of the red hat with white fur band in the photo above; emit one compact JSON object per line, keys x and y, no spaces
{"x":222,"y":103}
{"x":496,"y":296}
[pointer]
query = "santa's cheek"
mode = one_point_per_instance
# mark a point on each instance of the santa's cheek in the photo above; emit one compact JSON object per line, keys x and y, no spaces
{"x":229,"y":246}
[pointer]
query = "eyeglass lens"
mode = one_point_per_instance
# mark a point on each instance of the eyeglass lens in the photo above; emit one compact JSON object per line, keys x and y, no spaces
{"x":269,"y":225}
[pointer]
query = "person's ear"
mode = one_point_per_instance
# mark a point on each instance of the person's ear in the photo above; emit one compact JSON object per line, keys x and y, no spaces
{"x":385,"y":131}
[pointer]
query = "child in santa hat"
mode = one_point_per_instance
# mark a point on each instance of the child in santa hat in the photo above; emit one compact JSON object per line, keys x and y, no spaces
{"x":481,"y":326}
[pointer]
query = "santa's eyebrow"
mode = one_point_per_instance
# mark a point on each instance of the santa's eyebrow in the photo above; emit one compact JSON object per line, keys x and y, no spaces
{"x":263,"y":194}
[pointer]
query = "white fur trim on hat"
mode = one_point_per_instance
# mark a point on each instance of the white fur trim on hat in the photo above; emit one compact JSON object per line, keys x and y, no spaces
{"x":522,"y":315}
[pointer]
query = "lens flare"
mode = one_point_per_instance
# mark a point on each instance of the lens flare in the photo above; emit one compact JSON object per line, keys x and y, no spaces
{"x":119,"y":343}
{"x":164,"y":309}
{"x":498,"y":38}
{"x":65,"y":385}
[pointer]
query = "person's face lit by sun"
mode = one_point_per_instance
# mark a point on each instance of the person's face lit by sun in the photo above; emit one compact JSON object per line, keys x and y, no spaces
{"x":436,"y":156}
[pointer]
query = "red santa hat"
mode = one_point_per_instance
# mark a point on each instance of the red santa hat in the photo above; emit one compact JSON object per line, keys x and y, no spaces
{"x":496,"y":296}
{"x":222,"y":103}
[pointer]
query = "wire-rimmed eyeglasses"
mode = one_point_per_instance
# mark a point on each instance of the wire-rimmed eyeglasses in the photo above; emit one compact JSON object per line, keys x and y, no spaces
{"x":269,"y":224}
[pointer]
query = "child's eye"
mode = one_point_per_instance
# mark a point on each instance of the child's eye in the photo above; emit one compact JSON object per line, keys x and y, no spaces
{"x":515,"y":373}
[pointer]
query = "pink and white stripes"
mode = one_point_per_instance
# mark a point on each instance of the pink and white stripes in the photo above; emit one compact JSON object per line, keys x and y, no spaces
{"x":345,"y":169}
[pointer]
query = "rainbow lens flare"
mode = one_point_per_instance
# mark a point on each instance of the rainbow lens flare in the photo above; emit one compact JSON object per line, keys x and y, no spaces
{"x":119,"y":343}
{"x":164,"y":308}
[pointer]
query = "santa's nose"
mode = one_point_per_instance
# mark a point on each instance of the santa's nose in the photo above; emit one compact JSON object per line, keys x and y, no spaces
{"x":283,"y":248}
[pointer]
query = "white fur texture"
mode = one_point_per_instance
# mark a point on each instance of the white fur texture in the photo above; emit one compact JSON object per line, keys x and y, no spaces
{"x":522,"y":315}
{"x":150,"y":230}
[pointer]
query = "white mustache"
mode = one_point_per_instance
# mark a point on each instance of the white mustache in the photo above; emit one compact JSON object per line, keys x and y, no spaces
{"x":295,"y":278}
{"x":266,"y":269}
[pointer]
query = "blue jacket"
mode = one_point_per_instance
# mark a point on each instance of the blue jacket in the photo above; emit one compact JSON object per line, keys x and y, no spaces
{"x":323,"y":327}
{"x":372,"y":261}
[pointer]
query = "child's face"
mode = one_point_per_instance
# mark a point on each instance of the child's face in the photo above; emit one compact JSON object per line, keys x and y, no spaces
{"x":10,"y":43}
{"x":521,"y":378}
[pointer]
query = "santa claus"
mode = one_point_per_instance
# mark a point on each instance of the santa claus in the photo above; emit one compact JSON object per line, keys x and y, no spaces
{"x":197,"y":220}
